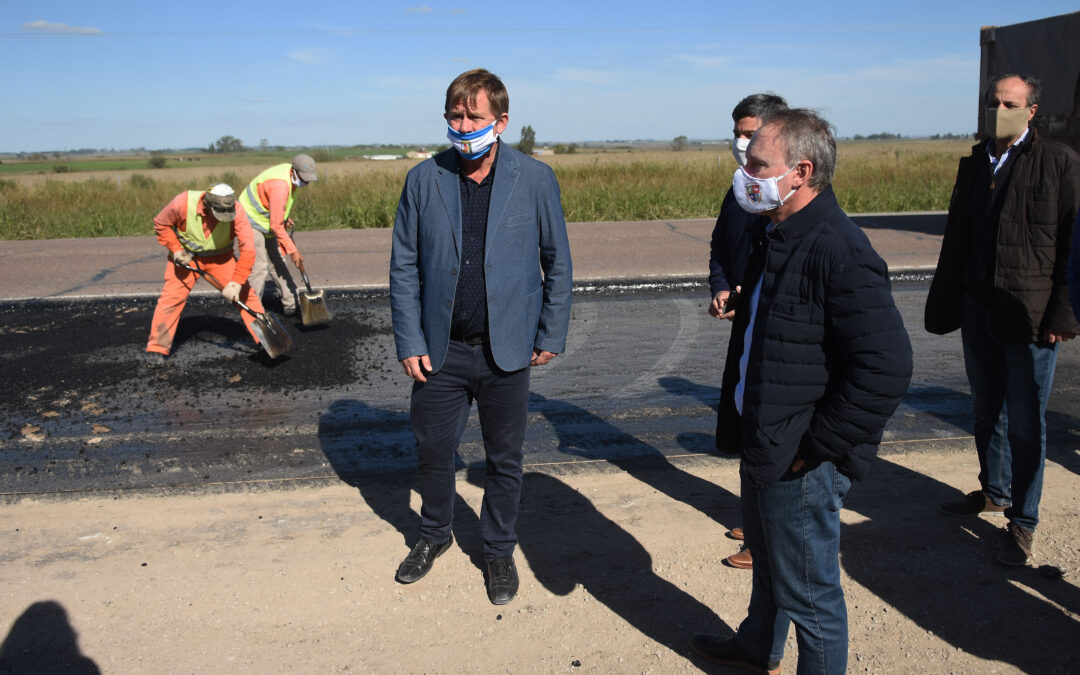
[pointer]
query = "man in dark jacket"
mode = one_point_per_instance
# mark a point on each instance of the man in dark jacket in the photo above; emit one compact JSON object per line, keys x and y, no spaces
{"x":817,"y":363}
{"x":1001,"y":279}
{"x":730,"y":248}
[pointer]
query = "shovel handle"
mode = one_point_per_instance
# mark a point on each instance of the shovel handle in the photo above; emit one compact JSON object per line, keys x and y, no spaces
{"x":213,"y":281}
{"x":303,"y":272}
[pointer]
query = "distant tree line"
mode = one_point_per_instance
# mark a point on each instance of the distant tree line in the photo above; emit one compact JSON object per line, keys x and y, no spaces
{"x":226,"y":144}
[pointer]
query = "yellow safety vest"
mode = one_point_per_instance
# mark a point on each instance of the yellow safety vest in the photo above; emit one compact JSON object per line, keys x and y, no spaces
{"x":258,"y":213}
{"x":194,"y":238}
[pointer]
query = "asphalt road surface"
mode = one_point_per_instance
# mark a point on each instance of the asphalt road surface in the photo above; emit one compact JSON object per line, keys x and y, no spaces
{"x":636,"y":386}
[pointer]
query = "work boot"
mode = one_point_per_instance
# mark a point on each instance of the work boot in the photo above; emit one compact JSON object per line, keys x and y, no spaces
{"x":156,"y":360}
{"x":1016,"y":549}
{"x":972,"y":504}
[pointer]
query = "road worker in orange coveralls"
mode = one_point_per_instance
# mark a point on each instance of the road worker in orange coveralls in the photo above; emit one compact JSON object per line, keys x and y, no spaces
{"x":200,"y":227}
{"x":268,"y":201}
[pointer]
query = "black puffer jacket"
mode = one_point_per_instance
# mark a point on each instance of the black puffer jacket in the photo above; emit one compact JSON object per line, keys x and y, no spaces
{"x":1030,"y":293}
{"x":830,"y":359}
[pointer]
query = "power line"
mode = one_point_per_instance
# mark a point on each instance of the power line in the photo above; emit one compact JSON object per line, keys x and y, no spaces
{"x":491,"y":31}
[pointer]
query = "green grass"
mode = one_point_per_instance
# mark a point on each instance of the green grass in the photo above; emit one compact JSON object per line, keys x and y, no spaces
{"x":653,"y":185}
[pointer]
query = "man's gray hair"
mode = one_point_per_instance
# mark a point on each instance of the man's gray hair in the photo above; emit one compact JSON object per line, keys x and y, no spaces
{"x":1033,"y":83}
{"x":807,"y":135}
{"x":758,"y":105}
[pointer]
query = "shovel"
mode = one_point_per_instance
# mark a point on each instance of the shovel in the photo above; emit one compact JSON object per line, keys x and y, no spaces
{"x":313,"y":309}
{"x":273,"y":337}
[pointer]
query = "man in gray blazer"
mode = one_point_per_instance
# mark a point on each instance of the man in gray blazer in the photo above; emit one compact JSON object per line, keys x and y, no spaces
{"x":480,"y":282}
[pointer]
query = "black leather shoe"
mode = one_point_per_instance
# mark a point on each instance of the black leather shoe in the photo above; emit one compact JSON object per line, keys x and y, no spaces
{"x":727,"y":652}
{"x":502,"y":580}
{"x":420,"y":559}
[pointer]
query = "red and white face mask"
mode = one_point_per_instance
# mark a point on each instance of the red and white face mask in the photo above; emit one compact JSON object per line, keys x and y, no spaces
{"x":757,"y":195}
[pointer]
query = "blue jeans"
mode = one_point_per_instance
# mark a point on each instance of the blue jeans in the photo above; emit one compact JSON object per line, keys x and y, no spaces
{"x":793,"y":530}
{"x":439,"y":410}
{"x":1010,"y":387}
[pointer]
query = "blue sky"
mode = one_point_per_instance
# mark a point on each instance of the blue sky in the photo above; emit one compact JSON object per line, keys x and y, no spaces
{"x":172,"y":75}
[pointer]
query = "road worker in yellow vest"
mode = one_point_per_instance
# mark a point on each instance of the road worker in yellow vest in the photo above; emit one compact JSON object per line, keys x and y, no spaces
{"x":198,"y":227}
{"x":268,"y":201}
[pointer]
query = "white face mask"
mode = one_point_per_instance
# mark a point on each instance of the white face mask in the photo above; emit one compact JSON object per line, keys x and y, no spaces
{"x":475,"y":144}
{"x":757,"y":195}
{"x":298,"y":181}
{"x":738,"y":149}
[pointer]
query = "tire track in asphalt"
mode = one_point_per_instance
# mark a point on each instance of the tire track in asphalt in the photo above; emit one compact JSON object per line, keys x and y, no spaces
{"x":689,"y":327}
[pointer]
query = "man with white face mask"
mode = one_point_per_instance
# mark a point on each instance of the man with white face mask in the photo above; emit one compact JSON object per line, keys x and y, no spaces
{"x":817,"y":362}
{"x":1001,"y":279}
{"x":268,"y":200}
{"x":479,"y":293}
{"x":730,"y":246}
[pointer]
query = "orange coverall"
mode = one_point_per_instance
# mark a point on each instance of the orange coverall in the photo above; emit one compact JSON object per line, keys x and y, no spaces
{"x":179,"y":282}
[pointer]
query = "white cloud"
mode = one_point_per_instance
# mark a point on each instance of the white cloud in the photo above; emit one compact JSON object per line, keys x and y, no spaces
{"x":422,"y":9}
{"x":309,"y":56}
{"x":42,"y":26}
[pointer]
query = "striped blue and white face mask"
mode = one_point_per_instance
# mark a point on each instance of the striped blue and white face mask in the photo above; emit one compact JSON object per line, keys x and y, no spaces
{"x":475,"y":144}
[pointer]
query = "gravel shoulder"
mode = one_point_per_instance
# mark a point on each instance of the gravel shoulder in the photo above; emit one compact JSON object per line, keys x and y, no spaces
{"x":618,"y":569}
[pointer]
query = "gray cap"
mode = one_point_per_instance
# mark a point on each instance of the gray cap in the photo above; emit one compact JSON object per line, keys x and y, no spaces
{"x":222,"y":202}
{"x":304,"y":166}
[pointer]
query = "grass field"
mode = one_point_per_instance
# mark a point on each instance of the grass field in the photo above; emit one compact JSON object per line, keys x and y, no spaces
{"x":640,"y":185}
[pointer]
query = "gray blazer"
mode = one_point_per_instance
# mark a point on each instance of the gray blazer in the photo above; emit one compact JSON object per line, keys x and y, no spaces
{"x":526,"y":260}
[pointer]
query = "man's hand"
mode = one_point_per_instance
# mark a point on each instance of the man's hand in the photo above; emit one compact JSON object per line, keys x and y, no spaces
{"x":181,"y":257}
{"x":1053,"y":336}
{"x":416,"y":366}
{"x":716,"y":308}
{"x":717,"y":305}
{"x":297,"y":259}
{"x":797,"y":465}
{"x":231,"y":292}
{"x":541,"y":357}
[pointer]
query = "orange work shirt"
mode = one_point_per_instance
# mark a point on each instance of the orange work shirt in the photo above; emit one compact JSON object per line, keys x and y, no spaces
{"x":174,"y":215}
{"x":275,"y":192}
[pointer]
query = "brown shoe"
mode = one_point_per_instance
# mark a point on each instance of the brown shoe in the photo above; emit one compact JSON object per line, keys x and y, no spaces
{"x":972,"y":504}
{"x":741,"y":560}
{"x":1016,"y":549}
{"x":735,"y":533}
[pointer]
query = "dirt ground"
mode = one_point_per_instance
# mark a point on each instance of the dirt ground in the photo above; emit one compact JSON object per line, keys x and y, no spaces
{"x":617,"y":572}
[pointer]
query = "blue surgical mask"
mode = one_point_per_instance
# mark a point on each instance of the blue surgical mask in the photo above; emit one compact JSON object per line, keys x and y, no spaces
{"x":475,"y":144}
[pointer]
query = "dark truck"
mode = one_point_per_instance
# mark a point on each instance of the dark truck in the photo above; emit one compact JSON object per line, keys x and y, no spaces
{"x":1049,"y":49}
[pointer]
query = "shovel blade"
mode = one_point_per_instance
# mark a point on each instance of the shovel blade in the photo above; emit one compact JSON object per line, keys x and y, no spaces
{"x":273,"y":337}
{"x":313,"y":309}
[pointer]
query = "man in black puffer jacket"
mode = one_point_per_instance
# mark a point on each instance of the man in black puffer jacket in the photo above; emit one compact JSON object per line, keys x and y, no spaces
{"x":1001,"y":279}
{"x":817,"y":362}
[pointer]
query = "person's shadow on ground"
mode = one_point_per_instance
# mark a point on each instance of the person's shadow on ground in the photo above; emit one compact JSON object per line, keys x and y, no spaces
{"x":585,"y":435}
{"x":374,"y":451}
{"x":42,"y":641}
{"x":568,"y":542}
{"x":941,"y":572}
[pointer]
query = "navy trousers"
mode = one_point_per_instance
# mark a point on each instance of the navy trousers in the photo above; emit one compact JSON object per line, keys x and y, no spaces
{"x":439,"y":410}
